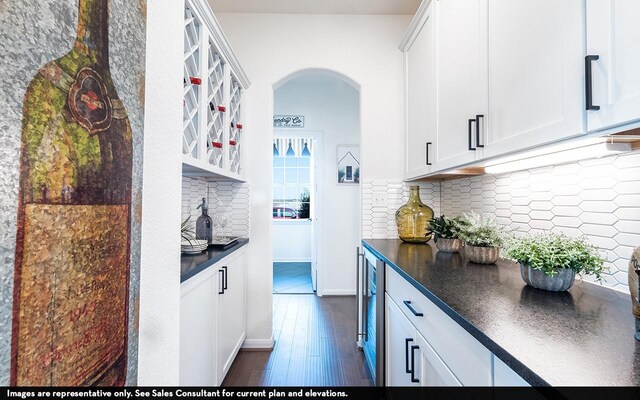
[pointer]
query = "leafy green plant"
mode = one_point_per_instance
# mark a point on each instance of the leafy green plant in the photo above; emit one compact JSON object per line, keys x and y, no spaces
{"x":447,"y":228}
{"x":186,"y":231}
{"x":304,"y":211}
{"x":482,"y":231}
{"x":551,"y":251}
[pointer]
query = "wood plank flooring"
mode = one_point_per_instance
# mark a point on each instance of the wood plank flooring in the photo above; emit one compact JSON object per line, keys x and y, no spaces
{"x":315,"y":346}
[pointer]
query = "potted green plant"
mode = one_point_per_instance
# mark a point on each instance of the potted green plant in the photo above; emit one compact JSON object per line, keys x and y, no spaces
{"x":446,"y":233}
{"x":482,"y":237}
{"x":551,"y":261}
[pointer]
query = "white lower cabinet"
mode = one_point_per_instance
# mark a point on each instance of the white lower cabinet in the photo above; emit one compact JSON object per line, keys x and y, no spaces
{"x":432,"y":370}
{"x":231,"y":316}
{"x":420,"y":337}
{"x":505,"y":376}
{"x":212,"y":321}
{"x":400,"y":347}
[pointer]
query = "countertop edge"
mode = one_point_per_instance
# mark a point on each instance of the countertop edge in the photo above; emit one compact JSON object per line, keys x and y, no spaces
{"x":517,"y":366}
{"x":203,"y":266}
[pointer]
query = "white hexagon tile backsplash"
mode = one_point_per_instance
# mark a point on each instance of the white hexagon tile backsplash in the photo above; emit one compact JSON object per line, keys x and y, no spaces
{"x":598,"y":198}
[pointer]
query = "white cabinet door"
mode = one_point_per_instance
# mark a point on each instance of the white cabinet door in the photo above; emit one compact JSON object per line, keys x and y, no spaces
{"x":433,"y":371}
{"x":231,"y":311}
{"x":400,"y":348}
{"x":613,"y":34}
{"x":197,"y":329}
{"x":505,"y":376}
{"x":462,"y":80}
{"x":421,"y":98}
{"x":536,"y":73}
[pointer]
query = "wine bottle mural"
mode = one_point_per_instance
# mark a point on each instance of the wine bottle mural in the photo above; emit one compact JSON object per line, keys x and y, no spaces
{"x":71,"y":300}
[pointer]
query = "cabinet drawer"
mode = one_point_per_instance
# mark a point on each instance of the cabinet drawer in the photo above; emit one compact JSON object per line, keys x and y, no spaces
{"x":469,"y":360}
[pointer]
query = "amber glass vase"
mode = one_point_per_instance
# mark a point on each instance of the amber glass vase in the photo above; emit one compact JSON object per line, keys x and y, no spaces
{"x":413,"y":219}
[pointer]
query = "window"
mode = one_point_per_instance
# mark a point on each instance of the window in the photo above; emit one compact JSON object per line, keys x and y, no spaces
{"x":292,"y":178}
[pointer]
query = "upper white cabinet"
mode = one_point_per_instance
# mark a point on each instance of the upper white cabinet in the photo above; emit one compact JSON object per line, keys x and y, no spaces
{"x":613,"y":41}
{"x":462,"y":81}
{"x":536,"y":73}
{"x":421,"y":86}
{"x":213,"y":86}
{"x":510,"y":76}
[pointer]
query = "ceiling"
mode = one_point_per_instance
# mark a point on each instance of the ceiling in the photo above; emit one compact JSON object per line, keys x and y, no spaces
{"x":354,"y":7}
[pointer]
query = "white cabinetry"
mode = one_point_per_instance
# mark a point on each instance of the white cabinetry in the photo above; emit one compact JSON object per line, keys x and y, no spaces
{"x":462,"y":81}
{"x":400,"y":347}
{"x":613,"y":34}
{"x":509,"y":77}
{"x":536,"y":70}
{"x":212,"y":321}
{"x":213,"y":86}
{"x":420,"y":337}
{"x":421,"y":87}
{"x":433,"y":371}
{"x":230,"y":329}
{"x":504,"y":376}
{"x":198,"y":304}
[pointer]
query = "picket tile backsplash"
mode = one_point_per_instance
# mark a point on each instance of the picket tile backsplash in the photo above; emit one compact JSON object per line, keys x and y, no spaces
{"x":229,"y":197}
{"x":598,"y":198}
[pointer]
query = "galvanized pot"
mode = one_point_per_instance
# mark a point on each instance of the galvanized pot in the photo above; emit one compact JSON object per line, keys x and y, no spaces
{"x":481,"y":255}
{"x":560,"y":282}
{"x":448,"y":245}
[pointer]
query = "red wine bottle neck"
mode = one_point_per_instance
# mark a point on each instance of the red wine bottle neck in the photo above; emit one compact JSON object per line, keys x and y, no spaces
{"x":93,"y":29}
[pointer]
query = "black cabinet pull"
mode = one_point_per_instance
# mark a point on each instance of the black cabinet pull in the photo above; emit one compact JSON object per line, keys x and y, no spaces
{"x":428,"y":148}
{"x":406,"y":355}
{"x":222,"y":283}
{"x":226,"y":277}
{"x":413,"y":364}
{"x":589,"y":81}
{"x":478,"y":125}
{"x":413,"y":310}
{"x":471,"y":121}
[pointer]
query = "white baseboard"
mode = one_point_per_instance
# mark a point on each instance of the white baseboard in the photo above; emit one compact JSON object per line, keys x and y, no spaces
{"x":258,"y":344}
{"x":284,"y":260}
{"x":338,"y":292}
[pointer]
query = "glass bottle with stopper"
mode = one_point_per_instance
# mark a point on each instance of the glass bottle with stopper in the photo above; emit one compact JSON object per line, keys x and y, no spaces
{"x":204,"y":223}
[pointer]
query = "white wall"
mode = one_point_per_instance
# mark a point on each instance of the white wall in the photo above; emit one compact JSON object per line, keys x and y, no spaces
{"x":333,"y":107}
{"x":160,"y":254}
{"x":292,"y":241}
{"x":271,"y":47}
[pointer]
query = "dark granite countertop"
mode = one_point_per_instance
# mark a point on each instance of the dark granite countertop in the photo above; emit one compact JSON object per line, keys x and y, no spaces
{"x":575,"y":338}
{"x":191,"y":265}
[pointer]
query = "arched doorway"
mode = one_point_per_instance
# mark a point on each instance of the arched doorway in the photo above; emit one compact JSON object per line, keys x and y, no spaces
{"x":313,"y":251}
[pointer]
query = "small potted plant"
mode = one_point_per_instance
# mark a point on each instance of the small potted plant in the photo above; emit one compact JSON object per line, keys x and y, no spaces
{"x":446,"y":232}
{"x":482,"y":237}
{"x":551,"y":261}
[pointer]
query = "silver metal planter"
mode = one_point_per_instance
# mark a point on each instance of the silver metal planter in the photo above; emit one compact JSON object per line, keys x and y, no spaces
{"x":560,"y":282}
{"x":481,"y":255}
{"x":448,"y":245}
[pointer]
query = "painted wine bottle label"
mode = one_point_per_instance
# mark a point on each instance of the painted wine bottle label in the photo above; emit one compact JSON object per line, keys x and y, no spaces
{"x":71,"y":288}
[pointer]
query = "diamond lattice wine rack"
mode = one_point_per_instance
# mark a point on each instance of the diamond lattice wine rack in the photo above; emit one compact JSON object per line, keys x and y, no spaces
{"x":214,"y":83}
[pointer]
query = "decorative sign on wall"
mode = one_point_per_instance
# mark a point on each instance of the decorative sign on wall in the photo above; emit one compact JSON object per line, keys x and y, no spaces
{"x":288,"y":121}
{"x":77,"y":235}
{"x":348,"y":166}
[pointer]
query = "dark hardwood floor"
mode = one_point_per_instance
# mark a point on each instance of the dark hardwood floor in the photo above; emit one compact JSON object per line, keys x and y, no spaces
{"x":315,"y":346}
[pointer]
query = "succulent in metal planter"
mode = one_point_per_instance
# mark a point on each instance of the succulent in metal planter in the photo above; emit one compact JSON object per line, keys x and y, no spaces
{"x":446,"y":232}
{"x":483,"y":238}
{"x":481,"y":254}
{"x":559,"y":282}
{"x":551,"y":261}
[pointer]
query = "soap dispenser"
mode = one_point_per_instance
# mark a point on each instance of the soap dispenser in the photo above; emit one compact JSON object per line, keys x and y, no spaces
{"x":204,"y":223}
